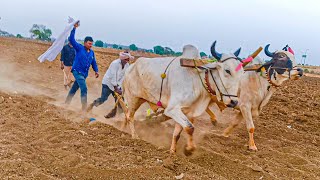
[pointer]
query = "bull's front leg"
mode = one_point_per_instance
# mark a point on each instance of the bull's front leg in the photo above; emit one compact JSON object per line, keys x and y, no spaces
{"x":247,"y":115}
{"x":213,"y":117}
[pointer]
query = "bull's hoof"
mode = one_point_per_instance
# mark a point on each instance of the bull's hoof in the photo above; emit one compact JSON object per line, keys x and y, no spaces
{"x":253,"y":148}
{"x":172,"y":151}
{"x":225,"y":134}
{"x":188,"y":151}
{"x":135,"y":136}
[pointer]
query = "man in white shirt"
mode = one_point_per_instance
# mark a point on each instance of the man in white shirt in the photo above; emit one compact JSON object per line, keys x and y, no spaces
{"x":112,"y":80}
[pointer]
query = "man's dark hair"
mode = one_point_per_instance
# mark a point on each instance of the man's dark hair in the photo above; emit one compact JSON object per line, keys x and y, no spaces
{"x":88,"y":38}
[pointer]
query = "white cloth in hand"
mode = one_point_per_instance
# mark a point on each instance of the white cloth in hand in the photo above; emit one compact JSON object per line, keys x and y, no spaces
{"x":58,"y":44}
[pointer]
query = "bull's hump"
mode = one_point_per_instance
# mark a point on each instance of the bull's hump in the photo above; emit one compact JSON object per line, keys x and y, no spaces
{"x":191,"y":52}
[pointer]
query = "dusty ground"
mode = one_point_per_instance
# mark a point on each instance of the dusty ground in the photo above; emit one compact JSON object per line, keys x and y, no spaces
{"x":42,"y":140}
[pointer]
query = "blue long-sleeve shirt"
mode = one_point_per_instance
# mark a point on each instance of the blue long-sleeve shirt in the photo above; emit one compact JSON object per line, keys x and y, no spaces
{"x":83,"y":59}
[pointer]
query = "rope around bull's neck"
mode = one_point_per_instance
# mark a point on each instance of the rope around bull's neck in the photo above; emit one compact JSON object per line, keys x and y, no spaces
{"x":203,"y":84}
{"x":163,"y":76}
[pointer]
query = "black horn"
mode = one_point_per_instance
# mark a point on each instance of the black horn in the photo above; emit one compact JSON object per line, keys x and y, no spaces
{"x":266,"y":50}
{"x":237,"y":52}
{"x":285,"y":48}
{"x":214,"y":53}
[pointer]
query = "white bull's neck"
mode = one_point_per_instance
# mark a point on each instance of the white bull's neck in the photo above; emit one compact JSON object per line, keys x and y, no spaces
{"x":266,"y":89}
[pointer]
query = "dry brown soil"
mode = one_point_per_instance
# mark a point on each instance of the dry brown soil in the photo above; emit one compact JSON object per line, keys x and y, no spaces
{"x":40,"y":139}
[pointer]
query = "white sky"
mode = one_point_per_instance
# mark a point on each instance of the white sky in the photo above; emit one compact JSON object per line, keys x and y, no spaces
{"x":174,"y":23}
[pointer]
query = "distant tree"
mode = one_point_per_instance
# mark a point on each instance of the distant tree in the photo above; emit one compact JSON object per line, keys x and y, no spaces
{"x":6,"y":34}
{"x":40,"y":32}
{"x":120,"y":48}
{"x":115,"y":46}
{"x":19,"y":36}
{"x":202,"y":54}
{"x":178,"y":53}
{"x":149,"y":50}
{"x":98,"y":43}
{"x":133,"y":47}
{"x":168,"y":51}
{"x":158,"y":50}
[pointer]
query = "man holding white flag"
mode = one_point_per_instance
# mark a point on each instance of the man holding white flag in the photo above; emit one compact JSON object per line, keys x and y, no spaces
{"x":84,"y":59}
{"x":58,"y":44}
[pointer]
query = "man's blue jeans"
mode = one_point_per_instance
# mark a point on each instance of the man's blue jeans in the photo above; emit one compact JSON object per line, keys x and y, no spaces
{"x":80,"y":81}
{"x":106,"y":91}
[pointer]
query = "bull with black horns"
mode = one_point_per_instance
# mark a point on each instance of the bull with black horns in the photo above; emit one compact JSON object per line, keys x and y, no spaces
{"x":282,"y":64}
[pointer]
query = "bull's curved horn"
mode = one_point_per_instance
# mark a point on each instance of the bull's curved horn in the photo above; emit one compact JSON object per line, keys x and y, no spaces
{"x":214,"y":53}
{"x":237,"y":52}
{"x":268,"y":53}
{"x":285,"y":48}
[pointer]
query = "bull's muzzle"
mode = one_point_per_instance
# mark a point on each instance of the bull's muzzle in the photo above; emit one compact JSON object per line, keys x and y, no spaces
{"x":232,"y":104}
{"x":300,"y":71}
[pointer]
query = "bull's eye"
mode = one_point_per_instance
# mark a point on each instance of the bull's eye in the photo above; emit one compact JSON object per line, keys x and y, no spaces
{"x":228,"y":71}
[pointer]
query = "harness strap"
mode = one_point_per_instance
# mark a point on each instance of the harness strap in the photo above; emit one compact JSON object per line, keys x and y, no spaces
{"x":210,"y":90}
{"x":163,"y":76}
{"x":221,"y":94}
{"x":269,"y":79}
{"x":207,"y":87}
{"x":203,"y":84}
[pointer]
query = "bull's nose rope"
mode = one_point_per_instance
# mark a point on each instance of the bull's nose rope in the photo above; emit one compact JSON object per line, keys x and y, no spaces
{"x":163,"y":76}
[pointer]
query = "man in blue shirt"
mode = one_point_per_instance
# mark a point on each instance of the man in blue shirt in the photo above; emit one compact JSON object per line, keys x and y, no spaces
{"x":67,"y":56}
{"x":82,"y":62}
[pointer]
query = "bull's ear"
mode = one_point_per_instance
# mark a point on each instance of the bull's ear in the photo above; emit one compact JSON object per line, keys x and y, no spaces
{"x":213,"y":66}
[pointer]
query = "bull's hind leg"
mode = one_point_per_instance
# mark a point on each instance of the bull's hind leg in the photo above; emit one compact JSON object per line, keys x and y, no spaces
{"x":133,"y":105}
{"x":175,"y":138}
{"x":246,"y":113}
{"x":233,"y":125}
{"x":179,"y":117}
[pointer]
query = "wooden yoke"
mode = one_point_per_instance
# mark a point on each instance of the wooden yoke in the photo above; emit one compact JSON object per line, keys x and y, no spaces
{"x":190,"y":62}
{"x":255,"y":66}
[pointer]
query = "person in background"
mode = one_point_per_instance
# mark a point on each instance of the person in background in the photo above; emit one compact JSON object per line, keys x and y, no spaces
{"x":67,"y":56}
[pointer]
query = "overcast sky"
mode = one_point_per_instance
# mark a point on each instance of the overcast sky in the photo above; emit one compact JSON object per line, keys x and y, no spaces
{"x":174,"y":23}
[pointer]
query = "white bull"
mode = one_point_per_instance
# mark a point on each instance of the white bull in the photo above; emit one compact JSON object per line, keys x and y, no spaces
{"x":183,"y":96}
{"x":256,"y":88}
